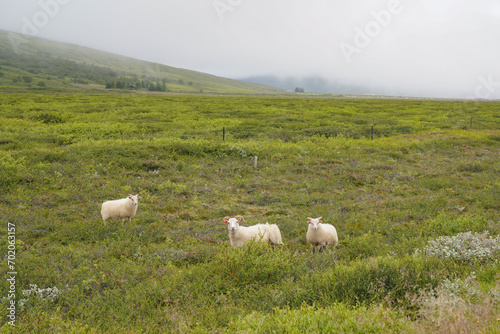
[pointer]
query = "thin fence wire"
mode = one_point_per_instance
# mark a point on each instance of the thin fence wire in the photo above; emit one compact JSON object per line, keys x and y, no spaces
{"x":368,"y":132}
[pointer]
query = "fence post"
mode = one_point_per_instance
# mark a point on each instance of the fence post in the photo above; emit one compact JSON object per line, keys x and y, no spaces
{"x":255,"y":162}
{"x":223,"y":133}
{"x":372,"y":132}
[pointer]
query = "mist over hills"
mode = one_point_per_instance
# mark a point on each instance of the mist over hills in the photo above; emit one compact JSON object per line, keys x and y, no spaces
{"x":31,"y":63}
{"x":35,"y":63}
{"x":38,"y":64}
{"x":312,"y":84}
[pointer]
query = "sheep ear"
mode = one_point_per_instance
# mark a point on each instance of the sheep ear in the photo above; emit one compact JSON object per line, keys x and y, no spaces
{"x":225,"y":219}
{"x":320,"y":219}
{"x":309,"y":220}
{"x":239,"y":218}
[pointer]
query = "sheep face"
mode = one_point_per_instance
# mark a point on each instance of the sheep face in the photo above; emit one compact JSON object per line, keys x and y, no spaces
{"x":314,"y":222}
{"x":233,"y":223}
{"x":134,"y":199}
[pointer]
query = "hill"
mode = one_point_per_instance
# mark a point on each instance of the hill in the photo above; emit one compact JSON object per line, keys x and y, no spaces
{"x":38,"y":64}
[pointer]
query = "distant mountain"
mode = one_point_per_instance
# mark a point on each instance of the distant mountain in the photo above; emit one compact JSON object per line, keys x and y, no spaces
{"x":311,"y":84}
{"x":38,"y":64}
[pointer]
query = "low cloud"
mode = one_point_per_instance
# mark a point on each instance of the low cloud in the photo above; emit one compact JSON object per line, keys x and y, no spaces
{"x":438,"y":48}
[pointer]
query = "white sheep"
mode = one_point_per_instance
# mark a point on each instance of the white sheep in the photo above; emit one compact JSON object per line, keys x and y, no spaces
{"x":123,"y":209}
{"x":238,"y":235}
{"x":321,"y":235}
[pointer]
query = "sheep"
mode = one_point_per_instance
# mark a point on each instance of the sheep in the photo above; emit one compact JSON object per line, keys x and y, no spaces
{"x":238,"y":235}
{"x":124,"y":208}
{"x":320,"y":235}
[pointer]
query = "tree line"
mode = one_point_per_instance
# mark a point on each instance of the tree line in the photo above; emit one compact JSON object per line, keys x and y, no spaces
{"x":157,"y":86}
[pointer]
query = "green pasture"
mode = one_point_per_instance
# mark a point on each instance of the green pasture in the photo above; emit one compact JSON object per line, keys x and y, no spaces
{"x":428,"y":169}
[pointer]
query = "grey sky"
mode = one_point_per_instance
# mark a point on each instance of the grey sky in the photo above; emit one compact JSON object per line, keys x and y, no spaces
{"x":438,"y":48}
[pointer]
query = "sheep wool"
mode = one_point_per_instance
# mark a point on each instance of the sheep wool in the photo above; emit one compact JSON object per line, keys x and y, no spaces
{"x":321,"y":235}
{"x":239,"y":235}
{"x":123,"y":209}
{"x":274,"y":234}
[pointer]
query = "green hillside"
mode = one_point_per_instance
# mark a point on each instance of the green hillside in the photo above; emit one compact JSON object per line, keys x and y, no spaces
{"x":38,"y":64}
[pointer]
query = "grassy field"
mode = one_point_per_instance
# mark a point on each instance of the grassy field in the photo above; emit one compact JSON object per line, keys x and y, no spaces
{"x":403,"y":204}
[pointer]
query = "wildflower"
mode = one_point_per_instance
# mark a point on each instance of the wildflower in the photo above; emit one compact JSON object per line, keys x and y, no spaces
{"x":35,"y":292}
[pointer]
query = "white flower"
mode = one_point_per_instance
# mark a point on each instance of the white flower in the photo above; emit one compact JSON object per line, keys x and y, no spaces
{"x":35,"y":292}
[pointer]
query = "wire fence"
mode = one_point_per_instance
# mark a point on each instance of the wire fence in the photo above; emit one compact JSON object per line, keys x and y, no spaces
{"x":295,"y":133}
{"x":355,"y":132}
{"x":284,"y":132}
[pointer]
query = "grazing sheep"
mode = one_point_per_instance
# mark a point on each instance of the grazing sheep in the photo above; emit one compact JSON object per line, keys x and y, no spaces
{"x":124,"y":208}
{"x":238,"y":235}
{"x":320,"y":235}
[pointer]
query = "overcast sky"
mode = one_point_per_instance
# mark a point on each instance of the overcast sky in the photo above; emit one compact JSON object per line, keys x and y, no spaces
{"x":438,"y":48}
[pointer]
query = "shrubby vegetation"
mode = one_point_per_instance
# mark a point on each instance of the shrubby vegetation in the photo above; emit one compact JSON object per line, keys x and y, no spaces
{"x":466,"y":246}
{"x":424,"y":185}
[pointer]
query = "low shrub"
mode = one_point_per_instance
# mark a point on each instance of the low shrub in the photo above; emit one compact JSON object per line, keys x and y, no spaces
{"x":445,"y":224}
{"x":337,"y":318}
{"x":254,"y":264}
{"x":12,"y":169}
{"x":466,"y":246}
{"x":362,"y":246}
{"x":388,"y":279}
{"x":458,"y":303}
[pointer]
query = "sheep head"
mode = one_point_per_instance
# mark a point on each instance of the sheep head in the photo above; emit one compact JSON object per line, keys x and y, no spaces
{"x":233,"y":223}
{"x":314,"y":222}
{"x":134,"y":199}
